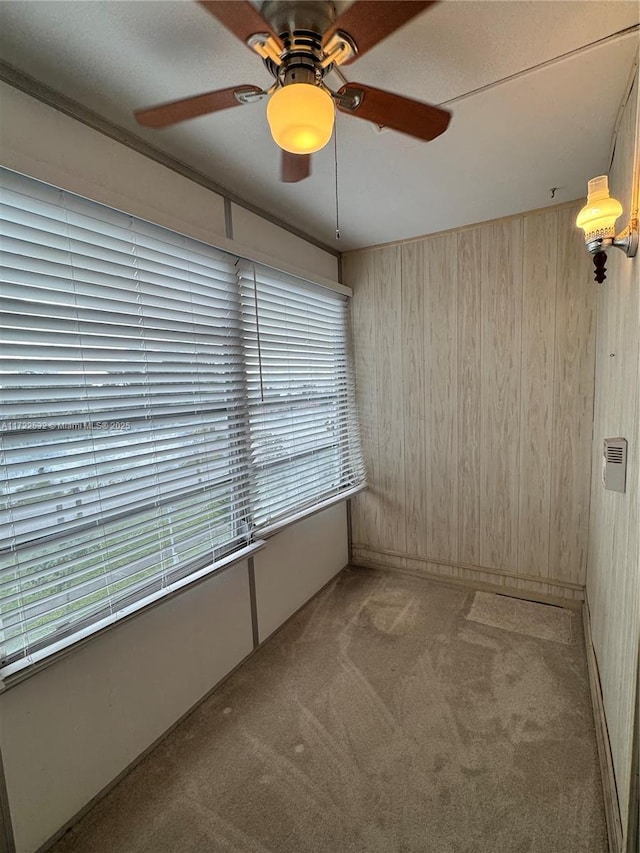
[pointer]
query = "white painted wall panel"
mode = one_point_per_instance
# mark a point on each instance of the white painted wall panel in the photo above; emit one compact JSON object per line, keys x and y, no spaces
{"x":71,"y":728}
{"x":296,"y":563}
{"x":255,"y":233}
{"x":41,"y":142}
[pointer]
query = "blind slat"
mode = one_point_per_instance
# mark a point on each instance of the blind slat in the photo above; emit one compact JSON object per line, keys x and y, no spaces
{"x":164,"y":400}
{"x":300,"y":388}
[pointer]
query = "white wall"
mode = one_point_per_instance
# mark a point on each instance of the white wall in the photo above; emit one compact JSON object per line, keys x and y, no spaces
{"x":68,"y":730}
{"x":322,"y":539}
{"x":46,"y":144}
{"x":256,"y":233}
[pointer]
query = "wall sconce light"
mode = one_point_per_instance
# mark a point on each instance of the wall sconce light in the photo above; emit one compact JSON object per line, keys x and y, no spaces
{"x":598,"y":218}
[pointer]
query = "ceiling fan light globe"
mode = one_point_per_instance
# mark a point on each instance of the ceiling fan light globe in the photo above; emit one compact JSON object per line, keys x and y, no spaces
{"x":301,"y":118}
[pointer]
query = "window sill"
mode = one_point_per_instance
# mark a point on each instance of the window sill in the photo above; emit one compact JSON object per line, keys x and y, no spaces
{"x":14,"y":673}
{"x":271,"y":529}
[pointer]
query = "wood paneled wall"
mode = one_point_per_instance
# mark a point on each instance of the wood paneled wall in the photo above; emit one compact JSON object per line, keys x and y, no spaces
{"x":613,"y":577}
{"x":474,"y":356}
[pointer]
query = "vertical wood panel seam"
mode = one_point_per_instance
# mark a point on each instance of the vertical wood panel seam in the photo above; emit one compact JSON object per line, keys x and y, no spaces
{"x":402,"y":426}
{"x":593,"y":472}
{"x":553,"y":385}
{"x":518,"y":327}
{"x":425,"y":410}
{"x":378,"y":321}
{"x":481,"y":359}
{"x":458,"y":415}
{"x":520,"y":407}
{"x":553,"y":397}
{"x":455,"y":399}
{"x":521,"y":414}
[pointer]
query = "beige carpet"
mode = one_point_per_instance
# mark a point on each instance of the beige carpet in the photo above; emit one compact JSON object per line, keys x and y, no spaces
{"x":524,"y":617}
{"x":380,"y":720}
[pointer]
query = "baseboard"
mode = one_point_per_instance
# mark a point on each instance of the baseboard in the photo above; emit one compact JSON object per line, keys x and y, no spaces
{"x":633,"y":824}
{"x":611,"y":804}
{"x":546,"y":590}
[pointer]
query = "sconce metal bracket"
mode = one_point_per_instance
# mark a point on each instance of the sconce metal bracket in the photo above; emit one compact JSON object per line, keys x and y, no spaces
{"x":627,"y":240}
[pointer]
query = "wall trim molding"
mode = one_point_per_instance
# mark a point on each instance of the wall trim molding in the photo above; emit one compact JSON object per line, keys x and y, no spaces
{"x":633,"y":822}
{"x":471,"y":567}
{"x":609,"y":788}
{"x":472,"y":583}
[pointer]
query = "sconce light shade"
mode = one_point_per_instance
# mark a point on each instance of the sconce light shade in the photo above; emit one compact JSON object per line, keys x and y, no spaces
{"x":301,"y":117}
{"x":598,"y":220}
{"x":598,"y":217}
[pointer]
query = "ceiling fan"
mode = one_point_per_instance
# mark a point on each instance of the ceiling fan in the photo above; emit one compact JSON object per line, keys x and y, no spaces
{"x":300,"y":42}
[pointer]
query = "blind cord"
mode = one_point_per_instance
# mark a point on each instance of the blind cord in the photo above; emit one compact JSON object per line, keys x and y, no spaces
{"x":255,"y":297}
{"x":335,"y":162}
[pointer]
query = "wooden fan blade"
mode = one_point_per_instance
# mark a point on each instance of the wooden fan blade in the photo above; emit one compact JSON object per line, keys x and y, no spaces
{"x":368,"y":22}
{"x":294,"y":167}
{"x":395,"y":111}
{"x":241,"y":18}
{"x":198,"y":105}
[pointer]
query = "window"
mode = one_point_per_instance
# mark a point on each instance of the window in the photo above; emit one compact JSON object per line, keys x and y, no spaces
{"x":164,"y":402}
{"x":299,"y":388}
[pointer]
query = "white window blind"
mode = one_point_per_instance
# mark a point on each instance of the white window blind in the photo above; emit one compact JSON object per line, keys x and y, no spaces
{"x":163,"y":401}
{"x":304,"y":436}
{"x":124,"y":427}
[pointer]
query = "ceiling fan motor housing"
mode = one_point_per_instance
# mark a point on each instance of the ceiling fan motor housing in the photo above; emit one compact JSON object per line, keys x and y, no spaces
{"x":287,"y":16}
{"x":300,"y":27}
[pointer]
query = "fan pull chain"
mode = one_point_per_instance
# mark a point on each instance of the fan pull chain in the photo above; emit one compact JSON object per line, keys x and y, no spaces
{"x":335,"y":161}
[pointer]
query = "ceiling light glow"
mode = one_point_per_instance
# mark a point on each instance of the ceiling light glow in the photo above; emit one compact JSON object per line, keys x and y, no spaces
{"x":301,"y":117}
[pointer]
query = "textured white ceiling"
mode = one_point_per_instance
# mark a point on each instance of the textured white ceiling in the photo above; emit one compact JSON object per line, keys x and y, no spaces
{"x":506,"y":146}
